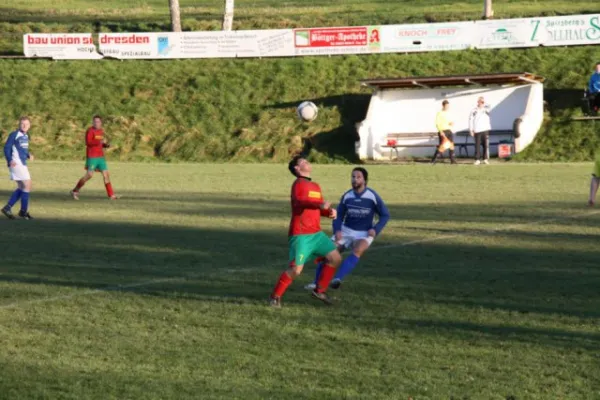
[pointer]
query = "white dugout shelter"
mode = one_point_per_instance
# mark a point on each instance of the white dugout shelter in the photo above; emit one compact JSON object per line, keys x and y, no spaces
{"x":401,"y":116}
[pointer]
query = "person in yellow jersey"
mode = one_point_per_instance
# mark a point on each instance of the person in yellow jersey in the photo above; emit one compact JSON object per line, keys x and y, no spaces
{"x":444,"y":123}
{"x":595,"y":182}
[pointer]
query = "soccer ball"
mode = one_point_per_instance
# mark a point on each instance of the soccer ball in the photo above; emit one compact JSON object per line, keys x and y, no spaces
{"x":307,"y":111}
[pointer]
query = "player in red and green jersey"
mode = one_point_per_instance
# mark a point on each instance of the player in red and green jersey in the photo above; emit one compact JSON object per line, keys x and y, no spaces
{"x":95,"y":161}
{"x":306,"y":240}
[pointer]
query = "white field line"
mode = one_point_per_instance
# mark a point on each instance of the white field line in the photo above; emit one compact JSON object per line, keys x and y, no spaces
{"x":117,"y":288}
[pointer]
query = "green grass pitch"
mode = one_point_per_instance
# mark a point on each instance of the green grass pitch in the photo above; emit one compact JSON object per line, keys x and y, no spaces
{"x":484,"y":285}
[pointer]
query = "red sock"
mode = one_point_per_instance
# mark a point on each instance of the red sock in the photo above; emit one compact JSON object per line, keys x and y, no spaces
{"x":282,"y":284}
{"x":319,"y":260}
{"x":79,"y":185}
{"x":109,"y":189}
{"x":326,"y":276}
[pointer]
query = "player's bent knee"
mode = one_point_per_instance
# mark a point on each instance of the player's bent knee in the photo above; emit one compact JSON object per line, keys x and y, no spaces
{"x":334,"y":258}
{"x":361,"y":247}
{"x":295,"y":271}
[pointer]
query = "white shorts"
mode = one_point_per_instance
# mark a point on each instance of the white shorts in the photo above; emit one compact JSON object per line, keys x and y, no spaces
{"x":350,"y":236}
{"x":19,"y":173}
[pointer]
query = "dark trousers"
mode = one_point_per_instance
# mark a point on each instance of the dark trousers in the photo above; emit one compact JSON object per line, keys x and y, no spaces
{"x":591,"y":104}
{"x":450,"y":136}
{"x":595,"y":102}
{"x":482,"y":141}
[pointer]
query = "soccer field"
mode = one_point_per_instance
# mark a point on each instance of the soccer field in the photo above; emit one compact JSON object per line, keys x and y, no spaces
{"x":484,"y":285}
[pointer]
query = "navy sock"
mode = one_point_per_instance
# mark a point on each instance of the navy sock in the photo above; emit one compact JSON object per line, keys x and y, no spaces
{"x":24,"y":201}
{"x":318,"y":273}
{"x":14,"y":198}
{"x":347,"y":266}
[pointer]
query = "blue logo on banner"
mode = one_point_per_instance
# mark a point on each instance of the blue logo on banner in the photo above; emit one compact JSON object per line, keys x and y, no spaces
{"x":163,"y":46}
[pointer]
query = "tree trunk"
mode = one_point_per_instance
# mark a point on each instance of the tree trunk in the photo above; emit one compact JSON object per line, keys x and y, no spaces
{"x":228,"y":17}
{"x":175,"y":15}
{"x":488,"y":13}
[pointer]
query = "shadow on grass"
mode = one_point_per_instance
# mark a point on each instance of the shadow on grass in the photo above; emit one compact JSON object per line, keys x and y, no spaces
{"x":338,"y":143}
{"x":248,"y":206}
{"x":217,"y":264}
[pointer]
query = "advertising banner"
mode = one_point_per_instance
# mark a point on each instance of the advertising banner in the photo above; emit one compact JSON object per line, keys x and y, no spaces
{"x":569,"y":30}
{"x":60,"y":46}
{"x":263,"y":43}
{"x":427,"y":37}
{"x":219,"y":44}
{"x":344,"y":40}
{"x":136,"y":45}
{"x":507,"y":33}
{"x":504,"y":33}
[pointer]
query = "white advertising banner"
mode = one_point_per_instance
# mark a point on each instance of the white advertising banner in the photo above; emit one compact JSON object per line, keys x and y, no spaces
{"x":427,"y":37}
{"x":218,"y":44}
{"x":268,"y":43}
{"x":136,"y":45}
{"x":60,"y":46}
{"x":504,"y":33}
{"x":507,"y":33}
{"x":264,"y":43}
{"x":568,"y":30}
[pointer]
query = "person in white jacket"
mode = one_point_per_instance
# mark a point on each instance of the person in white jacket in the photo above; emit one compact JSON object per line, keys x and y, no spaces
{"x":479,"y":127}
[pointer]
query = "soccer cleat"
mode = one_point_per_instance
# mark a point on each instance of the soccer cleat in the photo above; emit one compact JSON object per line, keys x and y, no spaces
{"x":322,"y":296}
{"x":25,"y":215}
{"x":74,"y":195}
{"x":275,"y":302}
{"x":311,"y":286}
{"x":335,"y":283}
{"x":486,"y":162}
{"x":114,"y":197}
{"x":8,"y":213}
{"x":590,"y":204}
{"x":477,"y":162}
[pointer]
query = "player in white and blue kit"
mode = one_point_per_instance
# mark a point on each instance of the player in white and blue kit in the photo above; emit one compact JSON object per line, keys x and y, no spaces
{"x":16,"y":152}
{"x":354,"y":228}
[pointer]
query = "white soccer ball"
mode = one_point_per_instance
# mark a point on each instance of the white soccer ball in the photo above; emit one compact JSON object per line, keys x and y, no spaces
{"x":307,"y":111}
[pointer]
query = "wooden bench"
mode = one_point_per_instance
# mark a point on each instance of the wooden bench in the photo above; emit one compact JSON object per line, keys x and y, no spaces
{"x":395,"y":138}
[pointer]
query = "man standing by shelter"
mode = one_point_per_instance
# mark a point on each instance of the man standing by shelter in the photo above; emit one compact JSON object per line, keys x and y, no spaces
{"x":480,"y":126}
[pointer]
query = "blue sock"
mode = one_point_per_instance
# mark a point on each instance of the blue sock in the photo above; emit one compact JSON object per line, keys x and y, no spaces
{"x":347,"y":266}
{"x":24,"y":201}
{"x":14,"y":198}
{"x":319,"y":268}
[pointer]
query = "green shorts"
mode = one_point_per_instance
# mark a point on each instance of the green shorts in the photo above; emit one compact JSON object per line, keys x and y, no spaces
{"x":305,"y":247}
{"x":96,"y":164}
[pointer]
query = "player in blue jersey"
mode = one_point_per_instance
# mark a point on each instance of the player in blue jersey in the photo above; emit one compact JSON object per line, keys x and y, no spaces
{"x":354,"y":228}
{"x":16,"y":152}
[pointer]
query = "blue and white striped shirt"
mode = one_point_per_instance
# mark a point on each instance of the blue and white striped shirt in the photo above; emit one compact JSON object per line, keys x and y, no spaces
{"x":17,"y":148}
{"x":357,"y":211}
